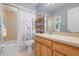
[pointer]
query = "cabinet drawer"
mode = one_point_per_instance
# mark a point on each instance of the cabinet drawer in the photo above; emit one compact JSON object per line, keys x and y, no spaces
{"x":43,"y":41}
{"x":66,"y":49}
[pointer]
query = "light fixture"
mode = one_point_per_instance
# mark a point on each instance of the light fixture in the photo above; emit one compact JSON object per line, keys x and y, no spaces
{"x":50,"y":4}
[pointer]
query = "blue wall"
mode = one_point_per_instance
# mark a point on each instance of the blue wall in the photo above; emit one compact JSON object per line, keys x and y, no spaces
{"x":63,"y":13}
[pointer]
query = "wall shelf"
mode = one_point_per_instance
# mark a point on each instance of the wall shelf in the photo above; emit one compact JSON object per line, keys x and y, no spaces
{"x":39,"y":25}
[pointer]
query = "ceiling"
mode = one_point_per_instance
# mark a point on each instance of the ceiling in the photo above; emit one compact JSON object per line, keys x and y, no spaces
{"x":51,"y":8}
{"x":31,"y":6}
{"x":43,"y":7}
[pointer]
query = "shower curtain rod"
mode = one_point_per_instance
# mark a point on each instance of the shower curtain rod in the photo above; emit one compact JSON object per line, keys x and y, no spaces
{"x":19,"y":7}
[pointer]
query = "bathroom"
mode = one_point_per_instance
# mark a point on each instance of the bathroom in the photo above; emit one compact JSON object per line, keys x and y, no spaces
{"x":22,"y":23}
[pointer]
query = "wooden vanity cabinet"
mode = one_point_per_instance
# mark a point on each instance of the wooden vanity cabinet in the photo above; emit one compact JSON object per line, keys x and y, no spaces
{"x":56,"y":53}
{"x":43,"y":47}
{"x":46,"y":47}
{"x":45,"y":51}
{"x":42,"y":50}
{"x":37,"y":49}
{"x":65,"y":49}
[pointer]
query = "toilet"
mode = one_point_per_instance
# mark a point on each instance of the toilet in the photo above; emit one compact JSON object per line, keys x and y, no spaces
{"x":29,"y":45}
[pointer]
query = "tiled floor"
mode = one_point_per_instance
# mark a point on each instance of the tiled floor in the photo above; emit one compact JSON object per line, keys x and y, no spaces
{"x":11,"y":49}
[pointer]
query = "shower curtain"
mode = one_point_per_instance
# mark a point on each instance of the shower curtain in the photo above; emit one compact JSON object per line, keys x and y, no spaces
{"x":25,"y":28}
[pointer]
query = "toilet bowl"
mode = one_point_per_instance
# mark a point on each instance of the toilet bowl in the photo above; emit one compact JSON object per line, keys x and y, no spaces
{"x":29,"y":45}
{"x":25,"y":44}
{"x":29,"y":42}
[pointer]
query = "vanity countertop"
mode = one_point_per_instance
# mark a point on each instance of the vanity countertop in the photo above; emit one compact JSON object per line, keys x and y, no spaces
{"x":63,"y":38}
{"x":73,"y":34}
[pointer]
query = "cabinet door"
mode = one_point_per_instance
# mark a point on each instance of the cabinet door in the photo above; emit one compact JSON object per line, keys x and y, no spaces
{"x":55,"y":53}
{"x":45,"y":51}
{"x":37,"y":49}
{"x":66,"y":49}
